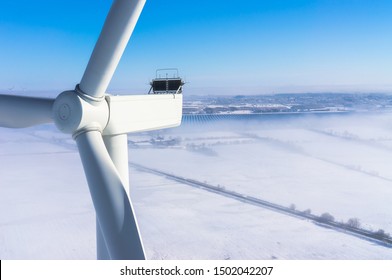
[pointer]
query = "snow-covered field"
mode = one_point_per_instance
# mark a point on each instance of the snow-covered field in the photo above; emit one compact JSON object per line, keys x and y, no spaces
{"x":334,"y":164}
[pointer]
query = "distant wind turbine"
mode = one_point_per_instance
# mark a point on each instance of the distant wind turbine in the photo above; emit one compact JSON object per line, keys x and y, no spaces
{"x":99,"y":123}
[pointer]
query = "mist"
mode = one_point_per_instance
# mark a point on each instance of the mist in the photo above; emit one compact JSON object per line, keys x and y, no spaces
{"x":318,"y":164}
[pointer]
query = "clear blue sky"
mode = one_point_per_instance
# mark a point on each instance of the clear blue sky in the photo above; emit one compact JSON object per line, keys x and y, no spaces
{"x":236,"y":47}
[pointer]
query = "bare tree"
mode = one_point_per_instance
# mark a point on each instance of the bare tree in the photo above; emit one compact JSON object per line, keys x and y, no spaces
{"x":353,"y":223}
{"x":326,"y":217}
{"x":381,"y":234}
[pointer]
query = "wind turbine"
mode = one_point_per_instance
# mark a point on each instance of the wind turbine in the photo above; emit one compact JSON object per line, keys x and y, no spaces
{"x":99,"y":123}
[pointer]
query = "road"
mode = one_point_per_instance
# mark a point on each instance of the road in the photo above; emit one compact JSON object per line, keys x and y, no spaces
{"x":380,"y":238}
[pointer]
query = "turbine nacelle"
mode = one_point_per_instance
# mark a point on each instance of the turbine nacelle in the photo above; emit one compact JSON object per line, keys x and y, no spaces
{"x":136,"y":113}
{"x":75,"y":113}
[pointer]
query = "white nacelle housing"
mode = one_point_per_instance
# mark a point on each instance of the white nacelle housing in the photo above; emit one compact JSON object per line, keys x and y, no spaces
{"x":135,"y":113}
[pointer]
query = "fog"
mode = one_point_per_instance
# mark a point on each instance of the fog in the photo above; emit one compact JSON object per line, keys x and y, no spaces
{"x":316,"y":163}
{"x":340,"y":164}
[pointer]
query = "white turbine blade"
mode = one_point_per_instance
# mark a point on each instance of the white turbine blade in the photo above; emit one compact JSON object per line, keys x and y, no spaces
{"x":24,"y":111}
{"x":110,"y":46}
{"x":135,"y":113}
{"x":113,"y":208}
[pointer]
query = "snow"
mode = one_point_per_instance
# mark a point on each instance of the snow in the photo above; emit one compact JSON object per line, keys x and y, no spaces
{"x":291,"y":166}
{"x":178,"y":222}
{"x":46,"y":210}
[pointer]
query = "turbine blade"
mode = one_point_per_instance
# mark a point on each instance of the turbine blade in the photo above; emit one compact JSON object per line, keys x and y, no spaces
{"x":135,"y":113}
{"x":24,"y":111}
{"x":114,"y":210}
{"x":110,"y":46}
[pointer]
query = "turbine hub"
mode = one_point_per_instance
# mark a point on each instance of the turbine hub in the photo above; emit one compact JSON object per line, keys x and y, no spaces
{"x":64,"y":112}
{"x":73,"y":114}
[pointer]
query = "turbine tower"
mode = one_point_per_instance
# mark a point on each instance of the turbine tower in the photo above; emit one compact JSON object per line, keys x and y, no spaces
{"x":99,"y":123}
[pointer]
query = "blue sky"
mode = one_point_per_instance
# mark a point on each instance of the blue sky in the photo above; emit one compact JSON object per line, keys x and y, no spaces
{"x":220,"y":47}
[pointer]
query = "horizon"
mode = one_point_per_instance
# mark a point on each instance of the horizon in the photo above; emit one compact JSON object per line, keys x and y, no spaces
{"x":52,"y":93}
